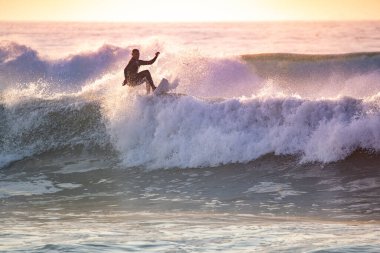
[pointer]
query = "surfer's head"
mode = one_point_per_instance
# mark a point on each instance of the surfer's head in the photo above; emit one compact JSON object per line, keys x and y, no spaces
{"x":135,"y":54}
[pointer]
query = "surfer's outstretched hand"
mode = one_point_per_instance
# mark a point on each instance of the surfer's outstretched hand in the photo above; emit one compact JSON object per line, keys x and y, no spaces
{"x":157,"y":54}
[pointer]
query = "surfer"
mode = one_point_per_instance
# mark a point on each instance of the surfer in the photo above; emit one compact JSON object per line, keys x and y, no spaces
{"x":133,"y":77}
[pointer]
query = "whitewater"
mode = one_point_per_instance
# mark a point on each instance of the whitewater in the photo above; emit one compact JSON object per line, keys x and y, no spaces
{"x":270,"y":133}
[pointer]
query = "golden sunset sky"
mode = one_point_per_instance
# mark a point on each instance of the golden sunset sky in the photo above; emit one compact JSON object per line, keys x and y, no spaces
{"x":187,"y":11}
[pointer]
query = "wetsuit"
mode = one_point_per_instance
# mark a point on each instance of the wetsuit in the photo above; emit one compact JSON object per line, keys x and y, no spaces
{"x":133,"y":77}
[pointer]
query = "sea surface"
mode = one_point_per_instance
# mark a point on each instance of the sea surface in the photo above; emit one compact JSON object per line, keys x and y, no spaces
{"x":268,"y":141}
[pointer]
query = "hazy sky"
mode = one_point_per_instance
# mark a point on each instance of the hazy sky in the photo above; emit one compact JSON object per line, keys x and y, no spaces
{"x":189,"y":10}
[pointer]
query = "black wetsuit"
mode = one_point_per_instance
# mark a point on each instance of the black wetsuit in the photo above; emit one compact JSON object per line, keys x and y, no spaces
{"x":133,"y":77}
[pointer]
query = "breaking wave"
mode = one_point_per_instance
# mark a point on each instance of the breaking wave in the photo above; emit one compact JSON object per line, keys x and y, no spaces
{"x":317,"y":108}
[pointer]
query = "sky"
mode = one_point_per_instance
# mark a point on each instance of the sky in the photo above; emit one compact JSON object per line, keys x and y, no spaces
{"x":188,"y":10}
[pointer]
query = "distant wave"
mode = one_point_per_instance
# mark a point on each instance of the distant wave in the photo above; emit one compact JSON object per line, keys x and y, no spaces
{"x":354,"y":74}
{"x":314,"y":65}
{"x":310,"y":57}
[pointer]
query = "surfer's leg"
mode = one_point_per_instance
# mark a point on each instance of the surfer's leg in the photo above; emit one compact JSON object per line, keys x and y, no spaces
{"x":147,"y":88}
{"x":145,"y":75}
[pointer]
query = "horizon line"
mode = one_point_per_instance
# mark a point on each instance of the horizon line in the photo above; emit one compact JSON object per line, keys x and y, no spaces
{"x":191,"y":21}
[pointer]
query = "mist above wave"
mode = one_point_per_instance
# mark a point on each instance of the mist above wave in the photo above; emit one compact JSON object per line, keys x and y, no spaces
{"x":20,"y":64}
{"x":309,"y":76}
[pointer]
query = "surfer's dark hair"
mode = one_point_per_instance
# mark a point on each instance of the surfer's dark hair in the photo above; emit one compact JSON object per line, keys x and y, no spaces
{"x":135,"y":50}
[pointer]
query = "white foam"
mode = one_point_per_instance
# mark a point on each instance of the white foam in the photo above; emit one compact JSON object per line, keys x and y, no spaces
{"x":68,"y":185}
{"x":189,"y":132}
{"x":363,"y":184}
{"x":278,"y":189}
{"x":19,"y":188}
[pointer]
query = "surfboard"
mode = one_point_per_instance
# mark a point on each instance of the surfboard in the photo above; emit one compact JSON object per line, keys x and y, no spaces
{"x":164,"y":87}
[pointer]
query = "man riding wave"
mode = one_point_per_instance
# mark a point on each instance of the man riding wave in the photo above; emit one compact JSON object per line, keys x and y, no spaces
{"x":135,"y":78}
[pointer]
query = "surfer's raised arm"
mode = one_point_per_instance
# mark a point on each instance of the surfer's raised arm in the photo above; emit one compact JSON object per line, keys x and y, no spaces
{"x":149,"y":62}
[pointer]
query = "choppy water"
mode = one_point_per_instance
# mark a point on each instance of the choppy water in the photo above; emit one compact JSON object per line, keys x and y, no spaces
{"x":269,"y":143}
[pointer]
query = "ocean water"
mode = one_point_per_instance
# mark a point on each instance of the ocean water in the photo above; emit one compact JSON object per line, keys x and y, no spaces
{"x":269,"y":143}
